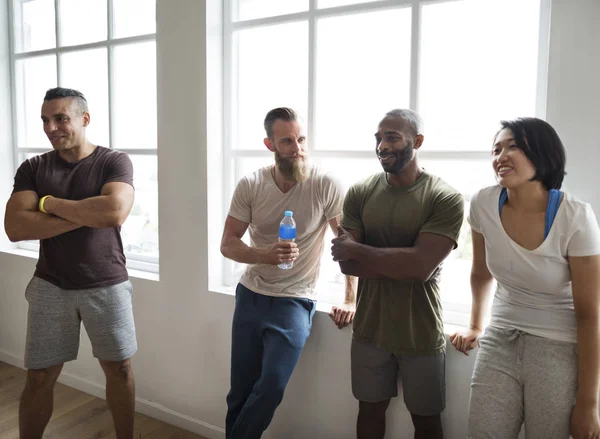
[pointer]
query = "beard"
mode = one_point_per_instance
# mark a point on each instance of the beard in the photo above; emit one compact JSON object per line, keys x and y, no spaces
{"x":293,"y":169}
{"x":401,"y":158}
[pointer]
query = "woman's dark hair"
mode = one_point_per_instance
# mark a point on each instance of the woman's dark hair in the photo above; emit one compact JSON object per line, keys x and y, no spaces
{"x":541,"y":144}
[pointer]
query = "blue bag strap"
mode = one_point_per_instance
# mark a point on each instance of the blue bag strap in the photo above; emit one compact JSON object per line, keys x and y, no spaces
{"x":502,"y":200}
{"x":552,"y":210}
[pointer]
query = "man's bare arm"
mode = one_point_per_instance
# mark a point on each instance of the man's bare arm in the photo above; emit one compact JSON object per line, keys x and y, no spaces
{"x":232,"y":247}
{"x":23,"y":221}
{"x":351,"y":267}
{"x":416,"y":263}
{"x":351,"y":281}
{"x":109,"y":209}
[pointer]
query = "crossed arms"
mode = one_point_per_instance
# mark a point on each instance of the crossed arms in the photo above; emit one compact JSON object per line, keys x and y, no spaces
{"x":23,"y":220}
{"x":415,"y":263}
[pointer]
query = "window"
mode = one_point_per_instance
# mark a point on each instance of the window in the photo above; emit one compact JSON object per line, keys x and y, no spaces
{"x":464,"y":65}
{"x":105,"y":49}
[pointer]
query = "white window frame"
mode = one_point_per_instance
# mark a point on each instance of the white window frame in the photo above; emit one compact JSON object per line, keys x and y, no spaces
{"x":134,"y":261}
{"x":454,"y":313}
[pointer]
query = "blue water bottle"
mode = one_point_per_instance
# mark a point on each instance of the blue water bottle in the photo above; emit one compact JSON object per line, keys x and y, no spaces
{"x":287,"y":232}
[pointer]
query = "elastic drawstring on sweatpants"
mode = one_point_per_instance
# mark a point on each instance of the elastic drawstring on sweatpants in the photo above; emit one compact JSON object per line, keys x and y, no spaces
{"x":518,"y":336}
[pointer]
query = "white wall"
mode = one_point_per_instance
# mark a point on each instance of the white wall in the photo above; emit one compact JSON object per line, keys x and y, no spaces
{"x":574,"y":92}
{"x":182,"y":367}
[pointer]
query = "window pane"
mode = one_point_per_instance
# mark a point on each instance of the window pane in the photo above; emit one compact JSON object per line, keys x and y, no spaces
{"x":34,"y":25}
{"x":463,"y":94}
{"x":93,"y":83}
{"x":140,"y":230}
{"x":334,"y":3}
{"x":466,"y":176}
{"x":82,"y":21}
{"x":265,"y":80}
{"x":349,"y":171}
{"x":247,"y":165}
{"x":33,"y":77}
{"x":251,"y":9}
{"x":134,"y":103}
{"x":330,"y":284}
{"x":360,"y":76}
{"x":134,"y":17}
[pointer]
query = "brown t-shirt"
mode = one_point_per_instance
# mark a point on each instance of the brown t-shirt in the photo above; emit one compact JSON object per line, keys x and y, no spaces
{"x":85,"y":257}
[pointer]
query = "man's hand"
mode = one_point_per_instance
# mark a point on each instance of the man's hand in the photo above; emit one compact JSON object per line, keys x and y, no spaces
{"x":585,"y":423}
{"x":109,"y":209}
{"x":343,"y":315}
{"x":280,"y":253}
{"x":342,"y":246}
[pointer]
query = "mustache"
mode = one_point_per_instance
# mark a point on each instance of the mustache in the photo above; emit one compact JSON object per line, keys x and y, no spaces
{"x":386,"y":154}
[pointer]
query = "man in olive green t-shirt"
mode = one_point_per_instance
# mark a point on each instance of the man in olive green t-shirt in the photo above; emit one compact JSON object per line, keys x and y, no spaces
{"x":398,"y":227}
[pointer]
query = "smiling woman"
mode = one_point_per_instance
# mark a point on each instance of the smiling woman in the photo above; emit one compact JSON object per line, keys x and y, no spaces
{"x":542,"y":246}
{"x":528,"y":148}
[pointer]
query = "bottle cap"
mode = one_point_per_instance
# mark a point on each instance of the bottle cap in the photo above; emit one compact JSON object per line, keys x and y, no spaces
{"x":289,"y":213}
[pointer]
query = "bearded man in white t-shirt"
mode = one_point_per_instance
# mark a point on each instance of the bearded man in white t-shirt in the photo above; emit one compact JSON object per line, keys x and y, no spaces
{"x":274,"y":307}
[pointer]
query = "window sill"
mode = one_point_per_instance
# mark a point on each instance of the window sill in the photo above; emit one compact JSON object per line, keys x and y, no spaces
{"x":134,"y":273}
{"x":452,"y":322}
{"x":146,"y":275}
{"x":20,"y":252}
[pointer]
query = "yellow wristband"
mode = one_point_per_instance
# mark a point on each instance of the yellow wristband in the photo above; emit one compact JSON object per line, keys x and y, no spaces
{"x":41,"y":204}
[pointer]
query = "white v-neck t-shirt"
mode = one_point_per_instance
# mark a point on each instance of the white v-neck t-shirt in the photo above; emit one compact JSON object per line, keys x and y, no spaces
{"x":258,"y":201}
{"x":534,"y":291}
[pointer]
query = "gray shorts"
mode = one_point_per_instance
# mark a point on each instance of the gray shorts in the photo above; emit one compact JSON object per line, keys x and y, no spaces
{"x":55,"y":317}
{"x":375,"y":374}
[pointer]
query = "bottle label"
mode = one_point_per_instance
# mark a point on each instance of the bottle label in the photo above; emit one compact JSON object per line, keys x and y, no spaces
{"x":287,"y":232}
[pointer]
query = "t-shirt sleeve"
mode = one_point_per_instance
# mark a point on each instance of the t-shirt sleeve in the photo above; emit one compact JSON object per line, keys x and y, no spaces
{"x":333,"y":198}
{"x":241,"y":205}
{"x":351,"y":217}
{"x":473,"y":218}
{"x":25,"y":177}
{"x":585,"y":240}
{"x":447,"y":216}
{"x":120,"y":170}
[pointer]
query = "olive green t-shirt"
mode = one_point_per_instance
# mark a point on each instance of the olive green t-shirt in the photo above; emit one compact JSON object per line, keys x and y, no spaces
{"x":402,"y":317}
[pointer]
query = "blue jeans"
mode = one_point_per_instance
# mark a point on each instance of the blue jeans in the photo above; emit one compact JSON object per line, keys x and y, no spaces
{"x":268,"y":335}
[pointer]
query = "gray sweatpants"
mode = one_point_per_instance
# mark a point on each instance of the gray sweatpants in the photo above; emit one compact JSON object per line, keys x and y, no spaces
{"x":519,"y":378}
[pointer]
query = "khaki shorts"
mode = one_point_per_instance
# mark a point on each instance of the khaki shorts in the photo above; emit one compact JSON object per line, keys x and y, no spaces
{"x":55,"y":316}
{"x":375,"y":375}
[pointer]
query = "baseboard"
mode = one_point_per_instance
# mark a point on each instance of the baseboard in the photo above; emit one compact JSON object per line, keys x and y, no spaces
{"x":143,"y":406}
{"x":11,"y":359}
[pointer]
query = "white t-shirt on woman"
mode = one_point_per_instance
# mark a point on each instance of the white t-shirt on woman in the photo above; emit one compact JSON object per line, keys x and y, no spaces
{"x":534,"y":291}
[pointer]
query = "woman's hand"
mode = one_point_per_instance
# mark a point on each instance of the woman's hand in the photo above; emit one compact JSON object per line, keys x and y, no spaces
{"x":464,"y":341}
{"x":585,"y":423}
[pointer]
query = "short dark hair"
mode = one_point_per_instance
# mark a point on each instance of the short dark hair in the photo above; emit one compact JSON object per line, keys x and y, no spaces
{"x":281,"y":113}
{"x":412,"y":118}
{"x":67,"y":93}
{"x":541,"y":144}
